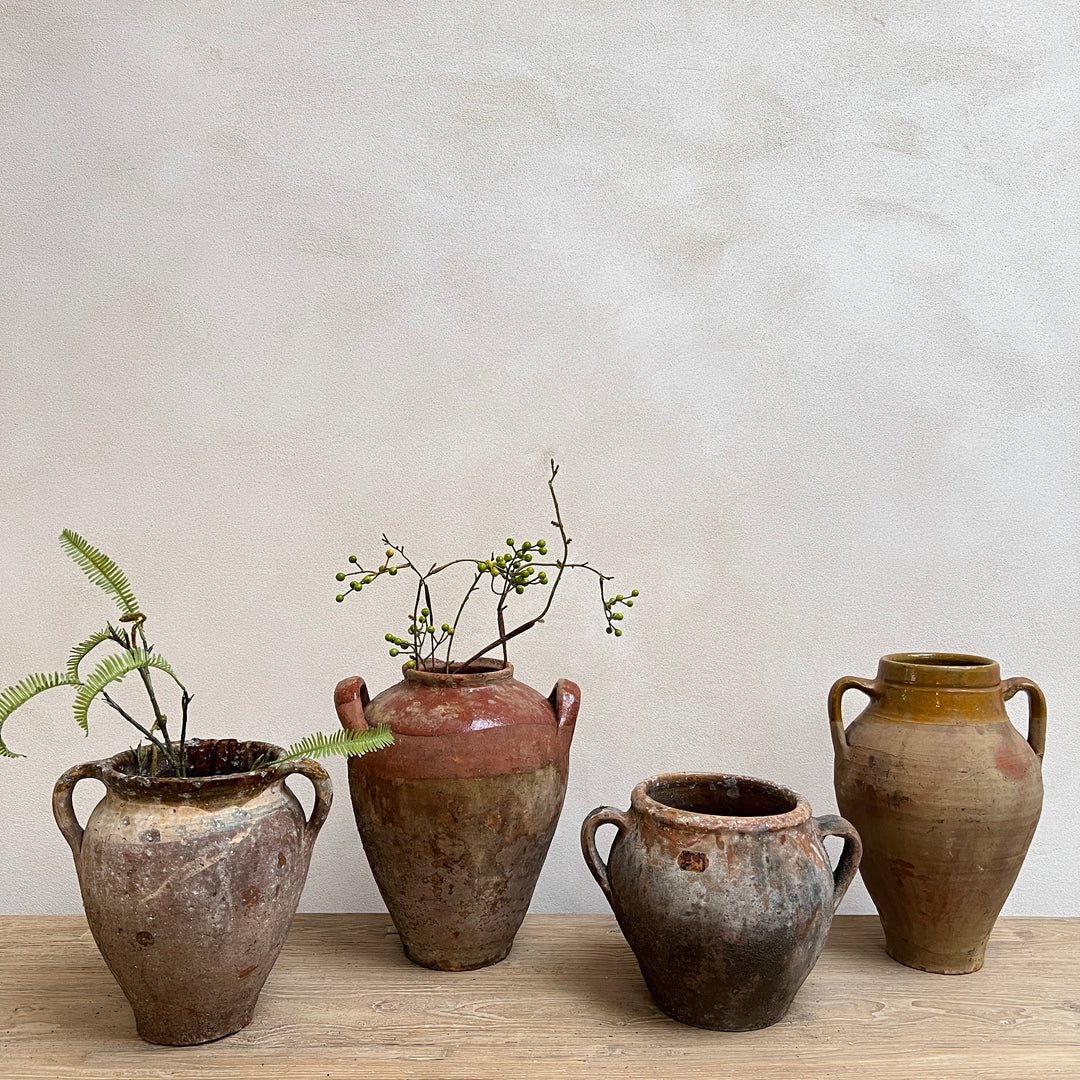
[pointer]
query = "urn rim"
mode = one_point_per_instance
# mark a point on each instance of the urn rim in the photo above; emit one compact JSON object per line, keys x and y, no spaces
{"x":772,"y":807}
{"x":482,"y":672}
{"x":114,"y":772}
{"x":940,"y":669}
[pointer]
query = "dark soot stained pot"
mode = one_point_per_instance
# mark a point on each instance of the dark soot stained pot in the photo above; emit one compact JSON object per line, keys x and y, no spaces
{"x":456,"y":817}
{"x":724,"y":892}
{"x":189,"y":885}
{"x":946,"y":794}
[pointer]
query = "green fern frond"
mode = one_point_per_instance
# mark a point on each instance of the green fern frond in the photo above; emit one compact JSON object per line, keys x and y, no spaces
{"x":101,"y":570}
{"x":21,"y":693}
{"x":113,"y":669}
{"x":340,"y":744}
{"x":76,"y":656}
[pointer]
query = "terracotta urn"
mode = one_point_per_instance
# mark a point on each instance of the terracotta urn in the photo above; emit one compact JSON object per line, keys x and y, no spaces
{"x":724,"y":891}
{"x":456,"y":817}
{"x":189,"y":885}
{"x":945,"y":793}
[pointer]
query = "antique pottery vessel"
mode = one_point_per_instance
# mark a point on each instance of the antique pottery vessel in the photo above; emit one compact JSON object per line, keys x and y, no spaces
{"x":945,"y":793}
{"x":456,"y":817}
{"x":724,"y":892}
{"x":189,"y":885}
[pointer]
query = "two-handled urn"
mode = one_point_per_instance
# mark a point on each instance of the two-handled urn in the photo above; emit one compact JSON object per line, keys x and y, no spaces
{"x":945,"y":793}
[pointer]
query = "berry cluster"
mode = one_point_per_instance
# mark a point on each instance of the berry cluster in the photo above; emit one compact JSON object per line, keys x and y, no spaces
{"x":614,"y":616}
{"x":364,"y":577}
{"x":425,"y":638}
{"x":513,"y":568}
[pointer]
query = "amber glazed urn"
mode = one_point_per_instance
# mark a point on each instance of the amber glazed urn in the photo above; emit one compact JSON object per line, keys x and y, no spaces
{"x":456,"y":817}
{"x":945,"y":793}
{"x":723,"y":889}
{"x":189,"y":884}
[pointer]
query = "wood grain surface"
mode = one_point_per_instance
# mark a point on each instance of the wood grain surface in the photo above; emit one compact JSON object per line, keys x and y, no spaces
{"x":568,"y":1002}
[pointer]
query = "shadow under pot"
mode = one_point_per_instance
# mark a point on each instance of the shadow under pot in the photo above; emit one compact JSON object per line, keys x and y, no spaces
{"x":457,"y":816}
{"x":723,"y":890}
{"x":190,"y":884}
{"x":946,"y":794}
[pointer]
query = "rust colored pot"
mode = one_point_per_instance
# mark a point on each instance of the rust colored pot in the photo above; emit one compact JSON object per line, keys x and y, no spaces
{"x":945,"y":793}
{"x":189,"y":885}
{"x":456,"y":817}
{"x":723,"y":889}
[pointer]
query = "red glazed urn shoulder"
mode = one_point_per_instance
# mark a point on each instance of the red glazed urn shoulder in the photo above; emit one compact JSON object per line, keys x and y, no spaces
{"x":481,"y":723}
{"x":478,"y":701}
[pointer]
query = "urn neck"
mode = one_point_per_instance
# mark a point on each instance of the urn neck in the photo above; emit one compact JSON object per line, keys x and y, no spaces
{"x":218,"y":770}
{"x":483,"y":672}
{"x":946,"y":671}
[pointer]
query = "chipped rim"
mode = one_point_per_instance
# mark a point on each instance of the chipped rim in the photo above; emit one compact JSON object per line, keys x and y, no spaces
{"x":110,"y":772}
{"x":644,"y":801}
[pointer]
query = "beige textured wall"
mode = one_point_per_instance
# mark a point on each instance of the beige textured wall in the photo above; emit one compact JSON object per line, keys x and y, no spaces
{"x":789,"y":288}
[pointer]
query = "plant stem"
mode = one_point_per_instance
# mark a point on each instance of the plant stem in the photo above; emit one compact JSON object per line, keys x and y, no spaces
{"x":144,"y":674}
{"x":431,"y":618}
{"x":185,"y":700}
{"x":501,"y":618}
{"x":416,"y":622}
{"x":162,"y":748}
{"x":504,"y":637}
{"x":406,"y":565}
{"x":457,"y":617}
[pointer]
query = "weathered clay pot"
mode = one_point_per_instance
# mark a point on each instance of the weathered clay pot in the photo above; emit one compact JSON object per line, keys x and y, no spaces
{"x":946,"y":795}
{"x":723,"y":889}
{"x":189,"y":885}
{"x":456,"y":817}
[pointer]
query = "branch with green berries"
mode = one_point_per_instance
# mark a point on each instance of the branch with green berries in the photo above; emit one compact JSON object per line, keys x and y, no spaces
{"x":521,"y":570}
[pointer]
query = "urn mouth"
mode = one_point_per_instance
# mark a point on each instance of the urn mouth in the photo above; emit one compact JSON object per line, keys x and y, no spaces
{"x":215,"y":767}
{"x":939,"y":669}
{"x":481,"y":672}
{"x":720,"y":802}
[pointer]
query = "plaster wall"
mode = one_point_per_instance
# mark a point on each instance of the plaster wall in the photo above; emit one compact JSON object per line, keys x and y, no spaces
{"x":788,"y":289}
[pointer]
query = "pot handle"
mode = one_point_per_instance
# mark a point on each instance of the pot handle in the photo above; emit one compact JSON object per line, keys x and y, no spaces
{"x":565,"y":699}
{"x":324,"y":792}
{"x":62,"y":807}
{"x":351,"y":699}
{"x":602,"y":815}
{"x":836,"y":720}
{"x":1036,"y":735}
{"x":850,"y":857}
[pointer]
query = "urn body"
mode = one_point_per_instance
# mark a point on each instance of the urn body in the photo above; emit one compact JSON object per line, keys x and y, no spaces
{"x":946,"y":795}
{"x":457,"y":816}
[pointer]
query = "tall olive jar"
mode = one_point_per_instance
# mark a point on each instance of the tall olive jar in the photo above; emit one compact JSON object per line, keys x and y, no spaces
{"x":945,"y":793}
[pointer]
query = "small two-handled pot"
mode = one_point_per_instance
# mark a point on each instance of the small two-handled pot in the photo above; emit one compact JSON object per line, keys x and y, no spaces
{"x":724,"y":891}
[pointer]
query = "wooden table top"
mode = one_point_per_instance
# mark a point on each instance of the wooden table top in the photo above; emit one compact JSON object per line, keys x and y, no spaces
{"x":568,"y":1002}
